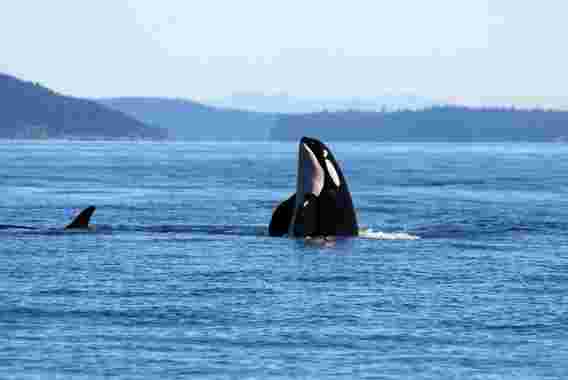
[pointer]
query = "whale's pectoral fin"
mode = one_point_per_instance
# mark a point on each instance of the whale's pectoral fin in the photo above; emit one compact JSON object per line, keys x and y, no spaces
{"x":282,"y":217}
{"x":82,"y":220}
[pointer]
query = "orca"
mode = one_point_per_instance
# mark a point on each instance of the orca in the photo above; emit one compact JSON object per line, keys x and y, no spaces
{"x":81,"y":222}
{"x":322,"y":204}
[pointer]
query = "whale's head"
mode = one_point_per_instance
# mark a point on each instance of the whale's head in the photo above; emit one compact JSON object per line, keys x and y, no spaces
{"x":322,"y":205}
{"x":319,"y":178}
{"x":317,"y":168}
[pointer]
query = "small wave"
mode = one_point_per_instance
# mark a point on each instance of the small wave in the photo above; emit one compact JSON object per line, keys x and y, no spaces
{"x":443,"y":183}
{"x":239,"y":230}
{"x":232,"y":230}
{"x":14,"y":227}
{"x":475,"y":228}
{"x":379,"y":235}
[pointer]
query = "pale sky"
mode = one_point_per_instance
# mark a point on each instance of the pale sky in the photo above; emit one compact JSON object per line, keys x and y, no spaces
{"x":473,"y":52}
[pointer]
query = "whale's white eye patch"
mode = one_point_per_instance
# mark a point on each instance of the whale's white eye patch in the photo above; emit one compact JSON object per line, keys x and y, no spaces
{"x":332,"y":173}
{"x":306,"y":203}
{"x":325,"y":153}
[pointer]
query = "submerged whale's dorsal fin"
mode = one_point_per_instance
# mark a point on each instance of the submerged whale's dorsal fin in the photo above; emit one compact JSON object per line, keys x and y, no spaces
{"x":82,"y":220}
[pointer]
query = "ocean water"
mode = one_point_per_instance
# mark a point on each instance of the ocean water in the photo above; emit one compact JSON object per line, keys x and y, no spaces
{"x":461,"y":271}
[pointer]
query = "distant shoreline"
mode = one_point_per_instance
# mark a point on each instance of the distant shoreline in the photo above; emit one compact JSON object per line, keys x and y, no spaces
{"x":37,"y":114}
{"x":5,"y":141}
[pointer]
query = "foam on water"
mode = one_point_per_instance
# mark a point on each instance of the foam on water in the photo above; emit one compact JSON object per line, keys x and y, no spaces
{"x":379,"y":235}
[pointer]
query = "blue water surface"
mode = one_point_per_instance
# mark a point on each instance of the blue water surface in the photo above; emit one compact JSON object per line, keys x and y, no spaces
{"x":180,"y":279}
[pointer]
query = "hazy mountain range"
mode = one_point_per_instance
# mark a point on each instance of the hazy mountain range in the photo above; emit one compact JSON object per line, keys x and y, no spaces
{"x":286,"y":104}
{"x":242,"y":116}
{"x":31,"y":111}
{"x":436,"y":124}
{"x":188,"y":120}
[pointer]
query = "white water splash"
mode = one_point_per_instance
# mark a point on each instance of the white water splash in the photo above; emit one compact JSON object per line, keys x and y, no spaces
{"x":378,"y":235}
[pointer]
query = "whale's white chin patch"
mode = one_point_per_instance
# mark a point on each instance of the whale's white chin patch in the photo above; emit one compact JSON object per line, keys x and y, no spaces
{"x":310,"y":174}
{"x":311,"y":177}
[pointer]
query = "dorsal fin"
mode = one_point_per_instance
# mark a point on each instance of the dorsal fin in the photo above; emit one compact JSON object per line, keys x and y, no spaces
{"x":82,"y":220}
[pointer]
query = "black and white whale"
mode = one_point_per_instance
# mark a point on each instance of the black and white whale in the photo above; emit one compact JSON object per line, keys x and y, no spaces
{"x":322,"y":204}
{"x":81,"y":221}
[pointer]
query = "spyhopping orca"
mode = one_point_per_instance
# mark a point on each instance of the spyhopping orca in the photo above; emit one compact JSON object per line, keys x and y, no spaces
{"x":322,"y":205}
{"x":81,"y":222}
